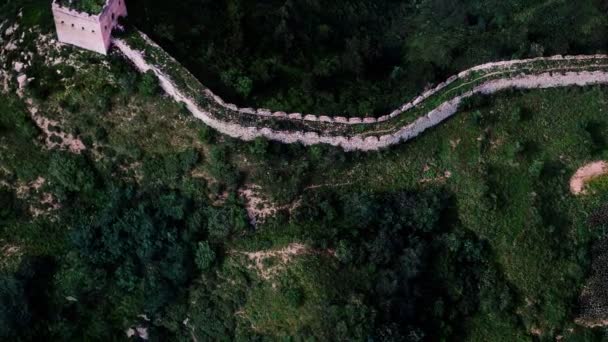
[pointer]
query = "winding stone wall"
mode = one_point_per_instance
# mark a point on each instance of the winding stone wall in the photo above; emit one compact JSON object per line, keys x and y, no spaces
{"x":407,"y":106}
{"x":368,"y":142}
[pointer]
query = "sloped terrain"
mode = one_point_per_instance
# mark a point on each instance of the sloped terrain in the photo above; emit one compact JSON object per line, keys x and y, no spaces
{"x":468,"y":232}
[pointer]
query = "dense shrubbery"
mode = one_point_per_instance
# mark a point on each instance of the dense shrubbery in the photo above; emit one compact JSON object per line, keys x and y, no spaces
{"x":358,"y":57}
{"x":149,"y":231}
{"x":419,"y":272}
{"x":89,"y":6}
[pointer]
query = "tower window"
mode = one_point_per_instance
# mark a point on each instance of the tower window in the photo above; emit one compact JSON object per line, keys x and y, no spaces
{"x":62,"y":22}
{"x":72,"y":25}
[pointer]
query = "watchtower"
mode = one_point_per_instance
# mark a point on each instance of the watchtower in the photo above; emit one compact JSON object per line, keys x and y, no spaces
{"x":91,"y":31}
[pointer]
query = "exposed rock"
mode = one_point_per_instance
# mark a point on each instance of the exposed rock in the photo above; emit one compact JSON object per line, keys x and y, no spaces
{"x":12,"y":29}
{"x":142,"y":333}
{"x":18,"y":66}
{"x":22,"y":81}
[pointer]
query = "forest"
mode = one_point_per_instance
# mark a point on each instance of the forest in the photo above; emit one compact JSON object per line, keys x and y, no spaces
{"x":467,"y":233}
{"x":358,"y":57}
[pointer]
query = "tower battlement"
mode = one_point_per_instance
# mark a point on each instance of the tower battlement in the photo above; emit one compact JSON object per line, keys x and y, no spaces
{"x":88,"y":30}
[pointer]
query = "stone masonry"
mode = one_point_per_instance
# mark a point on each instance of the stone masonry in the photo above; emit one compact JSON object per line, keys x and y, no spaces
{"x":86,"y":30}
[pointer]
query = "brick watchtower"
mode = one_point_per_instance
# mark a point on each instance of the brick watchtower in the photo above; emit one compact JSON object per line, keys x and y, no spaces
{"x":91,"y":31}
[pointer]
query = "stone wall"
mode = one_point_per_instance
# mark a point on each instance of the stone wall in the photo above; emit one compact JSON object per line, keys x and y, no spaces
{"x":369,"y":141}
{"x":88,"y":31}
{"x":502,"y":66}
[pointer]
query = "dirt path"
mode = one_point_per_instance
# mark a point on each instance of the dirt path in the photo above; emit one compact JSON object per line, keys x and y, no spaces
{"x":585,"y":174}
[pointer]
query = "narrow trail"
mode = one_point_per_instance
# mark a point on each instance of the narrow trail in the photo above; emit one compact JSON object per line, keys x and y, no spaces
{"x":372,"y":133}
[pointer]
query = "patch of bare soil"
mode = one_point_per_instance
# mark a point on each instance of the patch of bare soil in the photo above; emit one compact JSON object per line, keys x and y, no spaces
{"x":258,"y":207}
{"x":40,"y":203}
{"x":269,"y":263}
{"x":56,"y":139}
{"x":586,"y":173}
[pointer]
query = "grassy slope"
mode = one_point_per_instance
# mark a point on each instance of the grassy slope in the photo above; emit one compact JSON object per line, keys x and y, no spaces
{"x":502,"y":192}
{"x":510,"y":177}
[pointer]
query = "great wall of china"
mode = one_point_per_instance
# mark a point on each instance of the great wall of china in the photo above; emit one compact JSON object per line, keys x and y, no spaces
{"x":429,"y":109}
{"x":356,"y":133}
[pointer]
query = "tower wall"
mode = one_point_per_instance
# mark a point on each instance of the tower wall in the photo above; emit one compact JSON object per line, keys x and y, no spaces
{"x":88,"y":31}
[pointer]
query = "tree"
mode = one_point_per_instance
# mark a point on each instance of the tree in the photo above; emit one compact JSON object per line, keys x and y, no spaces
{"x":14,"y":307}
{"x":148,"y":84}
{"x":344,"y":252}
{"x":70,"y":172}
{"x":204,"y":256}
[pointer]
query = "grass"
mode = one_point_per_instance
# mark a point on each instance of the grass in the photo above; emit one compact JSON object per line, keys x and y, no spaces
{"x":88,"y":6}
{"x":510,"y":159}
{"x":191,"y":87}
{"x":516,"y":199}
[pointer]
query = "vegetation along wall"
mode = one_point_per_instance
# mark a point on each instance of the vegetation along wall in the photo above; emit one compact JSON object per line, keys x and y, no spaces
{"x":427,"y":110}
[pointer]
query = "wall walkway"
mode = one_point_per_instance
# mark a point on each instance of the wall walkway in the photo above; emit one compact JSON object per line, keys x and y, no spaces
{"x":364,"y":134}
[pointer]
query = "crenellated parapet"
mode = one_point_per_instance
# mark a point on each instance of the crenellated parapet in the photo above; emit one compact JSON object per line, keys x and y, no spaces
{"x":432,"y":107}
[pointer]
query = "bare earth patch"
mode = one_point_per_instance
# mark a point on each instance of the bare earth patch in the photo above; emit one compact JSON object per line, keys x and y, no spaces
{"x":585,"y":174}
{"x":258,"y":207}
{"x":269,"y":263}
{"x":40,"y":202}
{"x":65,"y":141}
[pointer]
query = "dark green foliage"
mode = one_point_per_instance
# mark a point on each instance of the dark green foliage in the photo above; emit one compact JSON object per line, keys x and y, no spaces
{"x":294,"y":295}
{"x":220,"y":167}
{"x":224,"y":221}
{"x":70,"y":173}
{"x":9,"y":208}
{"x":148,"y":84}
{"x":45,"y":81}
{"x":204,"y":256}
{"x":206,"y":134}
{"x":14,"y":120}
{"x":88,"y":6}
{"x":24,"y":299}
{"x":357,"y":57}
{"x":420,"y":273}
{"x":14,"y":312}
{"x":139,"y":253}
{"x":259,"y":147}
{"x":168,"y":169}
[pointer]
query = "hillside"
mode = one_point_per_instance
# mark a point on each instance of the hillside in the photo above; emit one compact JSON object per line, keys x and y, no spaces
{"x":358,"y":57}
{"x":123,"y":216}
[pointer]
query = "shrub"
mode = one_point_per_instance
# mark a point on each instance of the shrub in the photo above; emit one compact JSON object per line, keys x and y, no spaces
{"x":259,"y":147}
{"x":206,"y":134}
{"x":204,"y":256}
{"x":148,"y":84}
